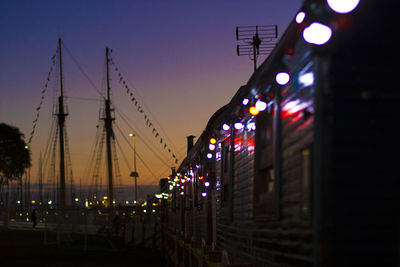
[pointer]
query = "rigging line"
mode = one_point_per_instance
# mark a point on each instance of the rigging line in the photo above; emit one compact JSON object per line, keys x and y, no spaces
{"x":83,"y":72}
{"x":144,"y":142}
{"x":137,"y":154}
{"x":90,"y":163}
{"x":125,"y":118}
{"x":123,"y":155}
{"x":148,"y":109}
{"x":84,"y":98}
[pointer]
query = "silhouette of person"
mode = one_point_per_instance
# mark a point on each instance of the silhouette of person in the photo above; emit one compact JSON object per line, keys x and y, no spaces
{"x":33,"y":218}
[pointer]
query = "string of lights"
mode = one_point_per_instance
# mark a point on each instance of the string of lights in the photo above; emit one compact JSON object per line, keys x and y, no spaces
{"x":139,"y":108}
{"x":53,"y":62}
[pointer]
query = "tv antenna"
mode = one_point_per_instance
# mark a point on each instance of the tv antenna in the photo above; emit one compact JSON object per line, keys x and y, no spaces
{"x":256,"y":40}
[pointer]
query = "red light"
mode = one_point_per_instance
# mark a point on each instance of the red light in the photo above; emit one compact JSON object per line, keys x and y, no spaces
{"x":343,"y":23}
{"x":290,"y":52}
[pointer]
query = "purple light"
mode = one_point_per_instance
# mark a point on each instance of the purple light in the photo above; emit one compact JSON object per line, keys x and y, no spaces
{"x":207,"y":184}
{"x":204,"y":194}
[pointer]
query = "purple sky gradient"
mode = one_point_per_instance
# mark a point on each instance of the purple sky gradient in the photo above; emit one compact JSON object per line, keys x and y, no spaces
{"x":179,"y":56}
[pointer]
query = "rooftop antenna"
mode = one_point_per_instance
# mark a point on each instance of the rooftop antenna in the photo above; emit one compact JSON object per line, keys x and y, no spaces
{"x":255,"y":41}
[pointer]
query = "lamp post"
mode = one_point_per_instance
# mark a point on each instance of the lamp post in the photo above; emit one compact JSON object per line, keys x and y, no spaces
{"x":134,"y":173}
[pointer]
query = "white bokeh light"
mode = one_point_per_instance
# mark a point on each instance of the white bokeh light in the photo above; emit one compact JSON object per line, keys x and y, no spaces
{"x":317,"y":33}
{"x":282,"y":78}
{"x":300,"y":17}
{"x":307,"y":79}
{"x":260,"y":105}
{"x":343,"y":6}
{"x":238,"y":125}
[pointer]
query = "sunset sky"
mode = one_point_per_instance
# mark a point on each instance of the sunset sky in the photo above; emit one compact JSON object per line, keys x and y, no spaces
{"x":178,"y":58}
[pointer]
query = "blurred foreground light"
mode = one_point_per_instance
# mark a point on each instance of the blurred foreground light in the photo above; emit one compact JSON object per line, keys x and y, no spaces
{"x":253,"y":111}
{"x":300,"y":17}
{"x":238,"y":125}
{"x":282,"y":78}
{"x":343,"y":6}
{"x":317,"y":33}
{"x":251,"y":126}
{"x":76,"y":199}
{"x":307,"y":79}
{"x":225,"y":127}
{"x":261,"y":105}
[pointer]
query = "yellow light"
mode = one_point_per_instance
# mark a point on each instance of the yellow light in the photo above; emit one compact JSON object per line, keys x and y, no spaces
{"x":105,"y":197}
{"x":253,"y":111}
{"x":213,"y":141}
{"x":33,"y":201}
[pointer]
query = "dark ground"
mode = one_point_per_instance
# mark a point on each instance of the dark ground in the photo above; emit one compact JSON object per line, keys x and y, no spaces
{"x":26,"y":248}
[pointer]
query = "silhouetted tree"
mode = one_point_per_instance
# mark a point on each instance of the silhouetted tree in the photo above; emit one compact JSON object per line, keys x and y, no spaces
{"x":14,"y":155}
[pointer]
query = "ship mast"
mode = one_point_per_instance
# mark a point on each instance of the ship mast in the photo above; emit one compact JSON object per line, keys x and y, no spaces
{"x":109,"y":134}
{"x":61,"y":124}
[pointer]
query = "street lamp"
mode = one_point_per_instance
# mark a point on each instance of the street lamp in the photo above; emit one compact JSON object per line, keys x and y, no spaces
{"x":134,"y":173}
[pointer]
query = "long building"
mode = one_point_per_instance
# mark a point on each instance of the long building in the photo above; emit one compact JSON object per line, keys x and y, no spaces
{"x":300,"y":167}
